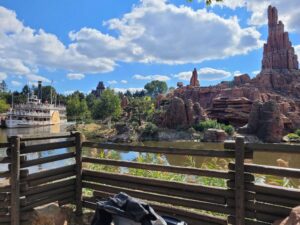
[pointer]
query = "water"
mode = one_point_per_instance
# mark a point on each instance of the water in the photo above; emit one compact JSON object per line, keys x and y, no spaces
{"x":263,"y":158}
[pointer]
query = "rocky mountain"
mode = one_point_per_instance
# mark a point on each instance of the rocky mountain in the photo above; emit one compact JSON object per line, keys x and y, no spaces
{"x":271,"y":99}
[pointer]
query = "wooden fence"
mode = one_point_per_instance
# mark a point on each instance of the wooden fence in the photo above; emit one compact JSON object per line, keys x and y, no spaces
{"x":241,"y":202}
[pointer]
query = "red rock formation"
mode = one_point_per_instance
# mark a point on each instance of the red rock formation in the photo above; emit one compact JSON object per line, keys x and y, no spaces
{"x":278,"y":51}
{"x":124,"y":102}
{"x":242,"y":79}
{"x":194,"y":82}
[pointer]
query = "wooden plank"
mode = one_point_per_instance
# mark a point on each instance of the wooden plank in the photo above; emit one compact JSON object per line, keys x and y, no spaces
{"x":48,"y":159}
{"x":4,"y":174}
{"x":277,"y":200}
{"x":4,"y":145}
{"x":5,"y":160}
{"x":156,"y":182}
{"x":280,"y":148}
{"x":162,"y":150}
{"x":190,"y":203}
{"x":171,"y":169}
{"x":15,"y":180}
{"x":49,"y":187}
{"x":270,"y":170}
{"x":49,"y":200}
{"x":275,"y":210}
{"x":47,"y":147}
{"x":273,"y":190}
{"x":239,"y":181}
{"x":52,"y":172}
{"x":46,"y":137}
{"x":155,"y":189}
{"x":78,"y":149}
{"x":231,"y":220}
{"x":49,"y":179}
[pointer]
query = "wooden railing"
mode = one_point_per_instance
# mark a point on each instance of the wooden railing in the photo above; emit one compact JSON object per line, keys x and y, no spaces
{"x":241,"y":201}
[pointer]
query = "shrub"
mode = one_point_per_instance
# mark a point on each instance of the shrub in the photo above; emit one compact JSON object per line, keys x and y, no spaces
{"x":207,"y":124}
{"x":297,"y":132}
{"x":150,"y":128}
{"x":293,"y":136}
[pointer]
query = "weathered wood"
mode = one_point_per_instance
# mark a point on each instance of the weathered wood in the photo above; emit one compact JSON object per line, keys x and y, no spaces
{"x":232,"y":220}
{"x":5,"y":160}
{"x":267,"y":218}
{"x":4,"y":145}
{"x":239,"y":181}
{"x":270,"y":170}
{"x":156,"y":182}
{"x":162,"y":150}
{"x":48,"y":194}
{"x":277,"y":200}
{"x":49,"y":187}
{"x":46,"y":137}
{"x":273,"y":190}
{"x":155,"y":189}
{"x":15,"y":180}
{"x":48,"y":159}
{"x":190,"y":203}
{"x":52,"y":172}
{"x":275,"y":210}
{"x":281,"y":148}
{"x":171,"y":169}
{"x":4,"y":174}
{"x":51,"y":179}
{"x":47,"y":147}
{"x":78,"y":197}
{"x":49,"y":200}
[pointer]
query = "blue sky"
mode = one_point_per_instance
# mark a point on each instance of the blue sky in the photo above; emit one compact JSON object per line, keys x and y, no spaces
{"x":129,"y":43}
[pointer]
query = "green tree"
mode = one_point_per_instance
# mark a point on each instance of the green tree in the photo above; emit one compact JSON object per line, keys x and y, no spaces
{"x":109,"y":104}
{"x":77,"y":108}
{"x":4,"y":107}
{"x":156,"y":87}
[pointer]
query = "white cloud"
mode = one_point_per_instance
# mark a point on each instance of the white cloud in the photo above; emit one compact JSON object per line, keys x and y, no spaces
{"x":151,"y":77}
{"x":16,"y":83}
{"x":288,"y":11}
{"x":124,"y":81}
{"x":112,"y":82}
{"x":75,"y":76}
{"x":255,"y":72}
{"x":123,"y":90}
{"x":3,"y":76}
{"x":177,"y":37}
{"x":205,"y":74}
{"x":237,"y":73}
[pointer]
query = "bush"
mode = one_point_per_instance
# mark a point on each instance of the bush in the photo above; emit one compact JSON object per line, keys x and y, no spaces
{"x":293,"y":136}
{"x":207,"y":124}
{"x":150,"y":128}
{"x":297,"y":132}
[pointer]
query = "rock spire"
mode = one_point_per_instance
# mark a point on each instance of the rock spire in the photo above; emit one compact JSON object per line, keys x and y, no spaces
{"x":194,"y":79}
{"x":278,"y":51}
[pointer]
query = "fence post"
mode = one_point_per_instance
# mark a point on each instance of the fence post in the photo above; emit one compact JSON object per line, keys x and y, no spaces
{"x":78,"y":147}
{"x":15,"y":179}
{"x":239,"y":181}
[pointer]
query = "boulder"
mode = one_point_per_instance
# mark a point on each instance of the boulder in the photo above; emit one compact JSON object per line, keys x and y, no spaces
{"x":292,"y":219}
{"x":194,"y":82}
{"x":241,"y":79}
{"x":214,"y":135}
{"x":265,"y":121}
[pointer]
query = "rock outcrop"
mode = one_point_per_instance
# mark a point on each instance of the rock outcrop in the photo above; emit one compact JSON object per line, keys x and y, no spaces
{"x":124,"y":101}
{"x":278,"y":51}
{"x":214,"y":135}
{"x":242,"y":79}
{"x":265,"y":121}
{"x":194,"y":82}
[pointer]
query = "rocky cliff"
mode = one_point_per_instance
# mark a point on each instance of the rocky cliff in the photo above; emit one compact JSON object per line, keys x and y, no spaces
{"x":231,"y":102}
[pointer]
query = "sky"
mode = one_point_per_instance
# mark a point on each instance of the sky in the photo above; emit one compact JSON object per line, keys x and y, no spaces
{"x":74,"y":44}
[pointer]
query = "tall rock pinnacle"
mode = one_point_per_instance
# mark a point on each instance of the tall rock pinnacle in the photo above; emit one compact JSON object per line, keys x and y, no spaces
{"x":194,"y":79}
{"x":278,"y":51}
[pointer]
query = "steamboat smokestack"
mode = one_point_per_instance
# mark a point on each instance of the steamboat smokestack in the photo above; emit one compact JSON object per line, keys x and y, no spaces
{"x":40,"y":89}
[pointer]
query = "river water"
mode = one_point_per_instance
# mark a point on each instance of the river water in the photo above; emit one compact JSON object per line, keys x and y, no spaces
{"x":264,"y":158}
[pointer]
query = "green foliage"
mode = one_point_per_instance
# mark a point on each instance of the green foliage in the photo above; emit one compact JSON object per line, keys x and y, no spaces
{"x":293,"y":136}
{"x":77,"y":108}
{"x":156,"y":87}
{"x":4,"y":107}
{"x":150,"y":128}
{"x":109,"y":104}
{"x":207,"y":124}
{"x":297,"y":132}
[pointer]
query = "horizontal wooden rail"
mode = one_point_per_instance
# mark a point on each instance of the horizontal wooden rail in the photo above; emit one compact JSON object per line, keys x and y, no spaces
{"x":160,"y":183}
{"x":46,"y":137}
{"x":48,"y":159}
{"x":269,"y":170}
{"x":164,"y":168}
{"x":163,"y":150}
{"x":5,"y":160}
{"x":4,"y":145}
{"x":47,"y":147}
